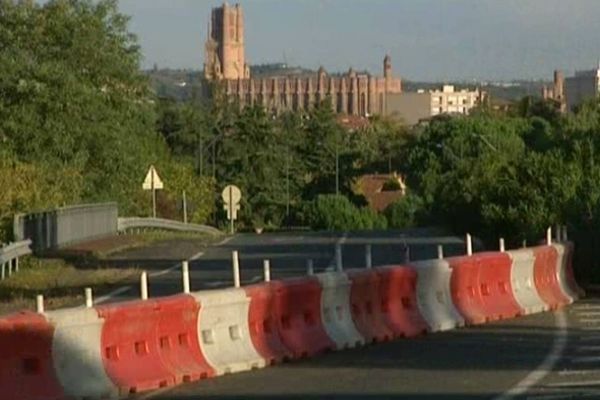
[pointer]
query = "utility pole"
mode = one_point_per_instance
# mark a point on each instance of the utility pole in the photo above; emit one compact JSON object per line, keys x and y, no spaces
{"x":337,"y":169}
{"x":201,"y":156}
{"x":287,"y":181}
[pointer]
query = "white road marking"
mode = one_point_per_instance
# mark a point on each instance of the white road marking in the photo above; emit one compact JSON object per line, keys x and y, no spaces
{"x":590,"y":328}
{"x":558,"y":348}
{"x":255,"y":279}
{"x":587,"y":348}
{"x":566,"y":396}
{"x":588,"y":314}
{"x":571,"y":372}
{"x":573,"y":384}
{"x":196,"y":256}
{"x":587,"y":307}
{"x":590,"y":321}
{"x":593,"y":338}
{"x":114,"y":293}
{"x":123,"y":289}
{"x":222,"y":242}
{"x":165,"y":271}
{"x":585,"y":360}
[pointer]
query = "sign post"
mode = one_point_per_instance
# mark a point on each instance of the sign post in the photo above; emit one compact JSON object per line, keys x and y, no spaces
{"x":185,"y":216}
{"x":152,"y":182}
{"x":231,"y":197}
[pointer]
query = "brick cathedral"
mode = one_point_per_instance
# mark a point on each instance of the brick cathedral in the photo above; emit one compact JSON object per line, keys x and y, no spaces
{"x":225,"y":61}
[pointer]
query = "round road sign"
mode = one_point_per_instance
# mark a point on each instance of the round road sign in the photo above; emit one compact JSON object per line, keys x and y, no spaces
{"x":231,"y":194}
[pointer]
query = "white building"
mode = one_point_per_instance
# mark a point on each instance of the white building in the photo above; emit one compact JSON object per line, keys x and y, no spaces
{"x":417,"y":106}
{"x":584,"y":85}
{"x":449,"y":101}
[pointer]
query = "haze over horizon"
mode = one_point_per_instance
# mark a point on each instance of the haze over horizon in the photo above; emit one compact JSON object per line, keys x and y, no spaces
{"x":428,"y":40}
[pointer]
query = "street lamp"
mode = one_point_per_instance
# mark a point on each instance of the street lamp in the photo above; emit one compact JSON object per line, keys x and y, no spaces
{"x":484,"y":140}
{"x":337,"y":169}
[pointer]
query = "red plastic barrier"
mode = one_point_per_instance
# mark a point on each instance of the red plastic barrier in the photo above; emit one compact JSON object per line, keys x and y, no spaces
{"x":152,"y":344}
{"x":365,"y":300}
{"x":496,"y":287}
{"x":298,"y":317}
{"x":466,"y":290}
{"x":26,"y":368}
{"x":178,"y":338}
{"x":546,"y":272}
{"x":262,"y":320}
{"x":399,"y":301}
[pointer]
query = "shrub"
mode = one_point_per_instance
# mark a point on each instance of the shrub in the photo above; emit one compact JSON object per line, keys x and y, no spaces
{"x":403,"y":213}
{"x":391,"y":185}
{"x":337,"y":213}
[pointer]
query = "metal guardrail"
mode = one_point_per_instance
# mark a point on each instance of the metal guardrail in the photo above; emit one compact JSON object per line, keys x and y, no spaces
{"x":125,"y":224}
{"x":10,"y":254}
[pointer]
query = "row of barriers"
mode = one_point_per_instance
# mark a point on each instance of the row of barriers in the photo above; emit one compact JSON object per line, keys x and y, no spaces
{"x":119,"y":349}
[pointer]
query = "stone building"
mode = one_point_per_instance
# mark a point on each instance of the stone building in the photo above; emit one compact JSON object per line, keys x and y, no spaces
{"x":350,"y":93}
{"x":574,"y":90}
{"x":224,"y":51}
{"x":557,"y":91}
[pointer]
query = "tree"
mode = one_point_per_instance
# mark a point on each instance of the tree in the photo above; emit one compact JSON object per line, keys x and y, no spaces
{"x":253,"y":157}
{"x":73,"y":95}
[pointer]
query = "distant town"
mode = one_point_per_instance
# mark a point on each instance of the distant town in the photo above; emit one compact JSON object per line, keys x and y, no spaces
{"x":278,"y":86}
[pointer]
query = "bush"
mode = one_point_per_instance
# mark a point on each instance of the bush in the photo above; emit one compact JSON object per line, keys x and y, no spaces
{"x":371,"y":219}
{"x":391,"y":185}
{"x":403,"y":213}
{"x":337,"y":213}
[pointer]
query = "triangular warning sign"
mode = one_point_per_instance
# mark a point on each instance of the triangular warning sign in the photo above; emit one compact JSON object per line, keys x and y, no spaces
{"x":152,"y":180}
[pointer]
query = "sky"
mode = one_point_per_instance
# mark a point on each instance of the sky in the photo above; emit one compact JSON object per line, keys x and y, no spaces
{"x":428,"y":40}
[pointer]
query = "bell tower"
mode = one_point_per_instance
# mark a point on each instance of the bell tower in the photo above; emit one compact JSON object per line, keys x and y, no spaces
{"x":224,"y":51}
{"x":387,"y":67}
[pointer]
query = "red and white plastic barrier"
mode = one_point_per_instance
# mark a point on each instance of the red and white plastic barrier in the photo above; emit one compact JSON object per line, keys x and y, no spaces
{"x":224,"y":333}
{"x":123,"y":348}
{"x":335,"y":310}
{"x":433,"y":295}
{"x":524,"y":287}
{"x":77,"y":354}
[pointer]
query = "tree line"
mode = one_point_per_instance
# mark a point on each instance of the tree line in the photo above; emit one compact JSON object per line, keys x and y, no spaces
{"x":79,"y":123}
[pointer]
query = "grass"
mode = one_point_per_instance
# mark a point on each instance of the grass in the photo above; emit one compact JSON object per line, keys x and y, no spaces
{"x":61,"y":284}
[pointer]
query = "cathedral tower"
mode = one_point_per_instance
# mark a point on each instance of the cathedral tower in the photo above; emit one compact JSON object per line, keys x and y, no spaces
{"x":224,"y":51}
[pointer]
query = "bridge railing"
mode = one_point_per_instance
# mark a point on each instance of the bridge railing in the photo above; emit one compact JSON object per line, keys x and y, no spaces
{"x":9,"y":257}
{"x":52,"y":229}
{"x":136,"y":223}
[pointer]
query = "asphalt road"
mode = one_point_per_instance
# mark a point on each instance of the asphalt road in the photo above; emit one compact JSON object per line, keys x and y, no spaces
{"x":287,"y":252}
{"x":534,"y":358}
{"x":548,"y":356}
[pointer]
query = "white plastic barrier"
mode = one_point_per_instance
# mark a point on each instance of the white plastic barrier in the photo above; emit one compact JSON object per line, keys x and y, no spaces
{"x":561,"y":272}
{"x":76,"y":354}
{"x":335,"y":310}
{"x":433,"y":295}
{"x":223,"y":331}
{"x":522,"y":275}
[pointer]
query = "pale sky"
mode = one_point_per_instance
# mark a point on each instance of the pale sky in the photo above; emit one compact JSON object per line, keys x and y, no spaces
{"x":432,"y":40}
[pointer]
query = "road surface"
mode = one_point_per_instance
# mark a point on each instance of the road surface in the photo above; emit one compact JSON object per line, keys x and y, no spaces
{"x":287,"y":252}
{"x":548,"y":356}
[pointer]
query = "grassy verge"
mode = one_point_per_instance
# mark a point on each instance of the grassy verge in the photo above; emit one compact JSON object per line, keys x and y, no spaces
{"x":104,"y":248}
{"x":61,"y":284}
